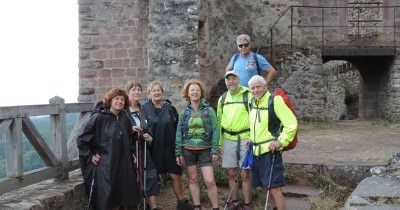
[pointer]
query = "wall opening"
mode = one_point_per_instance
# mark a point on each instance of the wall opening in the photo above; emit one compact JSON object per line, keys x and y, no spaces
{"x":342,"y":81}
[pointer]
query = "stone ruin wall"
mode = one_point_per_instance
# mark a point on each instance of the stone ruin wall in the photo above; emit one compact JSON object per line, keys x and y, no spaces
{"x":112,"y":45}
{"x":172,"y":41}
{"x":389,"y":96}
{"x":173,"y":45}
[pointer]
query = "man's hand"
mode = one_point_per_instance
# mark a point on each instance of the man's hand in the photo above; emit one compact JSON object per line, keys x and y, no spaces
{"x":275,"y":146}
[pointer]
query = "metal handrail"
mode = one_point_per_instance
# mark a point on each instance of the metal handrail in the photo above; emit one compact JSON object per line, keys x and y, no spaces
{"x":323,"y":25}
{"x":272,"y":26}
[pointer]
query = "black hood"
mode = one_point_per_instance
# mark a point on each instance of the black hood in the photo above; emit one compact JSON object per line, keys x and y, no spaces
{"x":99,"y":107}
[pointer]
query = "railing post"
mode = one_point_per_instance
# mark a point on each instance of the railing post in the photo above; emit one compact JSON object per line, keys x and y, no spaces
{"x":270,"y":49}
{"x":323,"y":29}
{"x":394,"y":28}
{"x":58,"y":124}
{"x":291,"y":28}
{"x":14,"y":149}
{"x":358,"y":22}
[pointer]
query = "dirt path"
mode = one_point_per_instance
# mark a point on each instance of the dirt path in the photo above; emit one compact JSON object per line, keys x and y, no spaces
{"x":333,"y":143}
{"x":346,"y":143}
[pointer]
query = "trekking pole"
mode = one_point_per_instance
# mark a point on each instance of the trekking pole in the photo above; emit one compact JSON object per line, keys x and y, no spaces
{"x":269,"y":181}
{"x":137,"y":163}
{"x":141,"y":185}
{"x":144,"y":174}
{"x":91,"y":190}
{"x":236,"y":179}
{"x":233,"y":188}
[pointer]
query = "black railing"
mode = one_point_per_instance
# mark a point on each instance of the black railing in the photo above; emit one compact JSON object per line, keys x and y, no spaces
{"x":356,"y":25}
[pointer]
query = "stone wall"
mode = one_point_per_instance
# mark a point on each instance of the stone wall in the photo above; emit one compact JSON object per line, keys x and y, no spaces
{"x":173,"y":41}
{"x":48,"y":195}
{"x":391,"y":109}
{"x":173,"y":45}
{"x":224,"y":20}
{"x":112,"y":45}
{"x":301,"y":75}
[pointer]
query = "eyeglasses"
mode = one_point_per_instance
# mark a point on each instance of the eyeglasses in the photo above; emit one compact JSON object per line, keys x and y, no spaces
{"x":243,"y":45}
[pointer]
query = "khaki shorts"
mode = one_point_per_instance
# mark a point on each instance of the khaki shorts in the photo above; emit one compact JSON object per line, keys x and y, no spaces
{"x":229,"y":156}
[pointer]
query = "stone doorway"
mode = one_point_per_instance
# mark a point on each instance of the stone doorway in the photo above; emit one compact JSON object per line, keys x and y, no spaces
{"x":365,"y":81}
{"x":342,"y":81}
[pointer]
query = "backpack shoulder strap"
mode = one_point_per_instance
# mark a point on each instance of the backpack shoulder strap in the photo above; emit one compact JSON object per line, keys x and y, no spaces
{"x":185,"y":123}
{"x":273,"y":120}
{"x":246,"y":100}
{"x":257,"y":64}
{"x":236,"y":56}
{"x":251,"y":104}
{"x":223,"y":97}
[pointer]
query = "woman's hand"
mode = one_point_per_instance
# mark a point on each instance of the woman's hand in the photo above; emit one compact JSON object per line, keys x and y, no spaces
{"x":147,"y":137}
{"x":137,"y":129}
{"x":214,"y":157}
{"x":179,"y":160}
{"x":96,"y":159}
{"x":134,"y":158}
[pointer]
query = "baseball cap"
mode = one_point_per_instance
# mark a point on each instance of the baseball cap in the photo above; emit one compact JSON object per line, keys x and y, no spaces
{"x":231,"y":73}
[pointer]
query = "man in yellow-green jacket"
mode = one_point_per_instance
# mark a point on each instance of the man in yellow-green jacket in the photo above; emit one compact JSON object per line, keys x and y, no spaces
{"x":233,"y":119}
{"x":268,"y":166}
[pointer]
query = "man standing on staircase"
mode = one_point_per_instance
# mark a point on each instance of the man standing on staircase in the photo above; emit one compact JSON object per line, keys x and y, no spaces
{"x":247,"y":64}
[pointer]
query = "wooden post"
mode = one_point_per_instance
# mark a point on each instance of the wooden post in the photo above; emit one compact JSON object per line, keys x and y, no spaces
{"x":14,"y":150}
{"x":58,"y":127}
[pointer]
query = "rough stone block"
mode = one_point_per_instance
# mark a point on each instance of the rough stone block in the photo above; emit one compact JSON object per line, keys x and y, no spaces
{"x":86,"y":83}
{"x":120,"y":53}
{"x":87,"y":73}
{"x":100,"y":54}
{"x":86,"y":91}
{"x":87,"y":2}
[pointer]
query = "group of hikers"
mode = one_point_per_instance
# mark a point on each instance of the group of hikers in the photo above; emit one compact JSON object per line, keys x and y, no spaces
{"x":128,"y":143}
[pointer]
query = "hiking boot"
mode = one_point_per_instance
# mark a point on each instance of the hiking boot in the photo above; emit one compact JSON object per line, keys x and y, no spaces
{"x":183,"y":205}
{"x":195,"y":207}
{"x":246,"y":207}
{"x":234,"y":206}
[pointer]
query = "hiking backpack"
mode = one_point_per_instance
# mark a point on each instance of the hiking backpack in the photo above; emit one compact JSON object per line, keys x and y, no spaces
{"x":205,"y":117}
{"x":236,"y":56}
{"x":245,"y":101}
{"x":274,"y":123}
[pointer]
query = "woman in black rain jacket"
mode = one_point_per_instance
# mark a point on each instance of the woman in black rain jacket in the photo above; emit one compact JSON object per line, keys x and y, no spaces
{"x":162,"y":120}
{"x":106,"y":148}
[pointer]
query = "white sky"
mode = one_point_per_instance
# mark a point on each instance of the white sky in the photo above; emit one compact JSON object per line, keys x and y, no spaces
{"x":38,"y":51}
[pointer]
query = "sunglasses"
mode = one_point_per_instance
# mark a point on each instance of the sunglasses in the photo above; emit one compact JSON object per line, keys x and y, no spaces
{"x":243,"y":45}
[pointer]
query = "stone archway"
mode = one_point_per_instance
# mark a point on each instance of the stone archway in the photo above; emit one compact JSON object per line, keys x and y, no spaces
{"x":374,"y":94}
{"x":342,"y":90}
